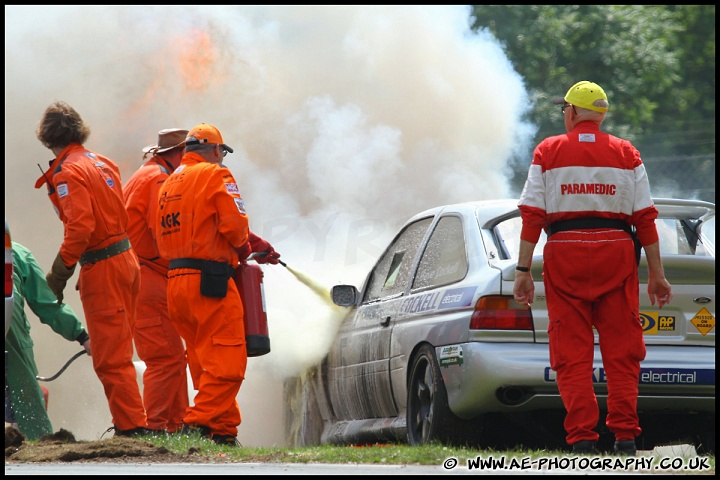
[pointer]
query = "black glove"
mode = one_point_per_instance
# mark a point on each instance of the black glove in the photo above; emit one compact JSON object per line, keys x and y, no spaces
{"x":83,"y":337}
{"x":58,"y":276}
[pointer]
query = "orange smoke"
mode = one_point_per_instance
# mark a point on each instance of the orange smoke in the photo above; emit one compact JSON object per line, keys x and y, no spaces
{"x":197,"y":60}
{"x":186,"y":65}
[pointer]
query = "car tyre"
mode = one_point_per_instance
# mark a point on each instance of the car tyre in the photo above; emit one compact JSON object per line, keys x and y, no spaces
{"x":704,"y":442}
{"x":429,"y":418}
{"x":303,"y":422}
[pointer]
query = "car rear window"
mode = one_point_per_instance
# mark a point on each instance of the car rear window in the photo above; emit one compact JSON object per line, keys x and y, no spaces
{"x":507,"y":234}
{"x":677,"y":237}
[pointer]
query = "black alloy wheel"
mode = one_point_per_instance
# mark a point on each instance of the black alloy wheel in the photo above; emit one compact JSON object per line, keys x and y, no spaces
{"x":428,"y":416}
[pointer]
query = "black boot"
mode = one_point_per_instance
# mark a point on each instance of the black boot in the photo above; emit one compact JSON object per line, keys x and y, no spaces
{"x":189,"y":430}
{"x":625,"y":447}
{"x":586,"y":447}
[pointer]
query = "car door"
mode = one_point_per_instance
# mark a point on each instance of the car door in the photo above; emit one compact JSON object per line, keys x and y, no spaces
{"x":436,"y":310}
{"x":358,"y":366}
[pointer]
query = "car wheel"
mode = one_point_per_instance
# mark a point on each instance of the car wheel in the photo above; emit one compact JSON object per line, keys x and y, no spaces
{"x":303,"y":422}
{"x":429,"y":418}
{"x":704,"y":442}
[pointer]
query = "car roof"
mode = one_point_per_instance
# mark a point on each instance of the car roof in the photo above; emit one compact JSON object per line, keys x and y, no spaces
{"x":493,"y":207}
{"x":667,"y":207}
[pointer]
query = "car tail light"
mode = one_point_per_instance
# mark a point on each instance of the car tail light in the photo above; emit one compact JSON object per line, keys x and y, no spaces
{"x":496,"y":312}
{"x":8,"y":266}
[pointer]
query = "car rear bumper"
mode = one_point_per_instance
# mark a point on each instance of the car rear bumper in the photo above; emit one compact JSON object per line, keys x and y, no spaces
{"x":501,"y":377}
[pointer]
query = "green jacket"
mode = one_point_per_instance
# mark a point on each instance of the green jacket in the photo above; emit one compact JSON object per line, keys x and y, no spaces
{"x":26,"y":397}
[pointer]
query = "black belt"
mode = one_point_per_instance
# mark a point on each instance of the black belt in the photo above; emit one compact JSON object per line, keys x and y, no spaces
{"x":104,"y":253}
{"x":203,"y":265}
{"x":588,"y":222}
{"x":596,"y":222}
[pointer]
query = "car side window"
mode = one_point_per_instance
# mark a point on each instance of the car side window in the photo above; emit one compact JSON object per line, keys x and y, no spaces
{"x":391,"y":274}
{"x":444,"y":260}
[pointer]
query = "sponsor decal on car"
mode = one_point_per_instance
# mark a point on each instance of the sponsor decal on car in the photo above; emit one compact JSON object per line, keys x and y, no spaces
{"x":655,"y":376}
{"x":457,"y":297}
{"x":451,"y":298}
{"x":676,"y":376}
{"x":703,"y":321}
{"x":653,"y":322}
{"x":450,"y":355}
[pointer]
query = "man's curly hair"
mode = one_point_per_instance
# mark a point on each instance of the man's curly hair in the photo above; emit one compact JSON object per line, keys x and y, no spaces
{"x":61,"y":125}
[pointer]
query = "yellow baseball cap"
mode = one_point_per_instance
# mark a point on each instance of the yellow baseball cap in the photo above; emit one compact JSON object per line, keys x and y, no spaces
{"x":584,"y":95}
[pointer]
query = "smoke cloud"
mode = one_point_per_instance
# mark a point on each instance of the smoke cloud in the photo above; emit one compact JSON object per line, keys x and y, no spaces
{"x":345,"y":121}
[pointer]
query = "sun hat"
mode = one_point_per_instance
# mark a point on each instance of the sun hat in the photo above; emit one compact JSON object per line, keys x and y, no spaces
{"x":584,"y":95}
{"x":168,"y":139}
{"x":204,"y":133}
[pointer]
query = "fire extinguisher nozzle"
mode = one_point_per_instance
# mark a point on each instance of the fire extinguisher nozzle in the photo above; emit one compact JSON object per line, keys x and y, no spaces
{"x":282,"y":263}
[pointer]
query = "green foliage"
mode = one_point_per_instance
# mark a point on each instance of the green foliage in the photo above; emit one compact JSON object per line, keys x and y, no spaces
{"x":656,"y":63}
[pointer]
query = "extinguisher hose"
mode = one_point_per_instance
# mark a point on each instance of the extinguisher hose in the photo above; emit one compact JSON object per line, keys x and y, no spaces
{"x":67,"y":364}
{"x":264,"y":252}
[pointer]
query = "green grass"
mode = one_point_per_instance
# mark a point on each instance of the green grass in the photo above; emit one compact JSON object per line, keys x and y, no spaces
{"x":391,"y":454}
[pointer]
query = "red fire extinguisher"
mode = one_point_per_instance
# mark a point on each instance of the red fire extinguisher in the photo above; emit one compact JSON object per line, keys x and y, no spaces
{"x":249,"y":280}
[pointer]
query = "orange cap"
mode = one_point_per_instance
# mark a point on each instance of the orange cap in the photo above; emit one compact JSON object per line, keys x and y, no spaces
{"x":204,"y":133}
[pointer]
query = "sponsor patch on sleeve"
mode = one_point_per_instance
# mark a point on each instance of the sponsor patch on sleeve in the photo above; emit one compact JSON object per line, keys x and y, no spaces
{"x":232,"y":188}
{"x":240,"y":205}
{"x":62,"y":189}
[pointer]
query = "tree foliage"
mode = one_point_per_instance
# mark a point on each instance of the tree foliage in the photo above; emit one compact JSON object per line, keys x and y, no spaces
{"x":655,"y":62}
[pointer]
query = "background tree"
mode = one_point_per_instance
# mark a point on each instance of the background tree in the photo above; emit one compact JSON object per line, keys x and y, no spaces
{"x":656,"y":63}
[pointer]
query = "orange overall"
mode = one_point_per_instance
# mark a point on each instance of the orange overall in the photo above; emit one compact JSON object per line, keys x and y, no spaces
{"x":202,"y":216}
{"x":157,"y":342}
{"x":86,"y":191}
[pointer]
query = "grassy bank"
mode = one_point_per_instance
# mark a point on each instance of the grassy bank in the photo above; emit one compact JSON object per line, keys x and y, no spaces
{"x":390,"y":454}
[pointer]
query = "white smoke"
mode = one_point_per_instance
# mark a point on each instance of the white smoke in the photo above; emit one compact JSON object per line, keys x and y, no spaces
{"x":345,"y":121}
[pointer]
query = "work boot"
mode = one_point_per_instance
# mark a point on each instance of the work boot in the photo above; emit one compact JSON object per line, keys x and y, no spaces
{"x":135,"y":432}
{"x":229,"y":440}
{"x":625,"y":448}
{"x":189,"y":430}
{"x":585,"y":447}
